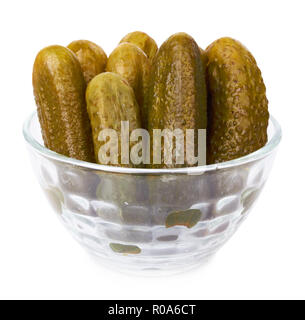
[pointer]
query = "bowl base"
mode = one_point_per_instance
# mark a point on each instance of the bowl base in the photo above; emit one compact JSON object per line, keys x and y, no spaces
{"x":149,"y":270}
{"x":147,"y":256}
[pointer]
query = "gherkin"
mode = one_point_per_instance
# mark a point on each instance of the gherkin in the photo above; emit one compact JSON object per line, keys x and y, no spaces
{"x":237,"y":104}
{"x":110,"y":100}
{"x":177,"y":94}
{"x":131,"y":63}
{"x":59,"y":89}
{"x":143,"y":41}
{"x":91,"y":57}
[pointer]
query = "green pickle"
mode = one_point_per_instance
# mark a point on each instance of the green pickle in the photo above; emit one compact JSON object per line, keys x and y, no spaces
{"x":59,"y":90}
{"x":91,"y":57}
{"x":177,"y":95}
{"x":132,"y":64}
{"x":111,"y":100}
{"x":143,"y":41}
{"x":237,"y":103}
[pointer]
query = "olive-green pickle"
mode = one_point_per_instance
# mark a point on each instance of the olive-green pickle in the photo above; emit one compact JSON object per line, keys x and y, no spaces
{"x":91,"y":57}
{"x":237,"y":104}
{"x":177,"y":95}
{"x":59,"y":90}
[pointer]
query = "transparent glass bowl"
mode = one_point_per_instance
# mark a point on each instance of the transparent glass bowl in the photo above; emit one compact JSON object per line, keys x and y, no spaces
{"x":149,"y":219}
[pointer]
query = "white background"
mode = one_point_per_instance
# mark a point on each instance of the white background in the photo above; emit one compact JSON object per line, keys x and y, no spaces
{"x":265,"y":258}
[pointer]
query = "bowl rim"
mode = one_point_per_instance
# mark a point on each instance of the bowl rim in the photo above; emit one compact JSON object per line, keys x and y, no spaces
{"x":269,"y":147}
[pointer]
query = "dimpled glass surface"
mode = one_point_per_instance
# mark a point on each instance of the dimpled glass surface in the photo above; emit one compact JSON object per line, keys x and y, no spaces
{"x":138,"y":221}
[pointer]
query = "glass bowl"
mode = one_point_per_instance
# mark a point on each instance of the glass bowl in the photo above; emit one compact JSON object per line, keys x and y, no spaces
{"x":151,"y":220}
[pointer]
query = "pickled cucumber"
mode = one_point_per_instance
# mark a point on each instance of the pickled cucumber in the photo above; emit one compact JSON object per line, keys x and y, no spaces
{"x":177,"y":95}
{"x":131,"y":63}
{"x":111,"y":100}
{"x":59,"y":90}
{"x":143,"y":41}
{"x":91,"y":57}
{"x":237,"y":104}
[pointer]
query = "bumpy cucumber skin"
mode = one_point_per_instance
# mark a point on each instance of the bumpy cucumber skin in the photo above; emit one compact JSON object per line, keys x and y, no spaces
{"x":132,"y":64}
{"x":59,"y":90}
{"x":143,"y":41}
{"x":91,"y":57}
{"x":177,"y":95}
{"x":237,"y":104}
{"x":111,"y":100}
